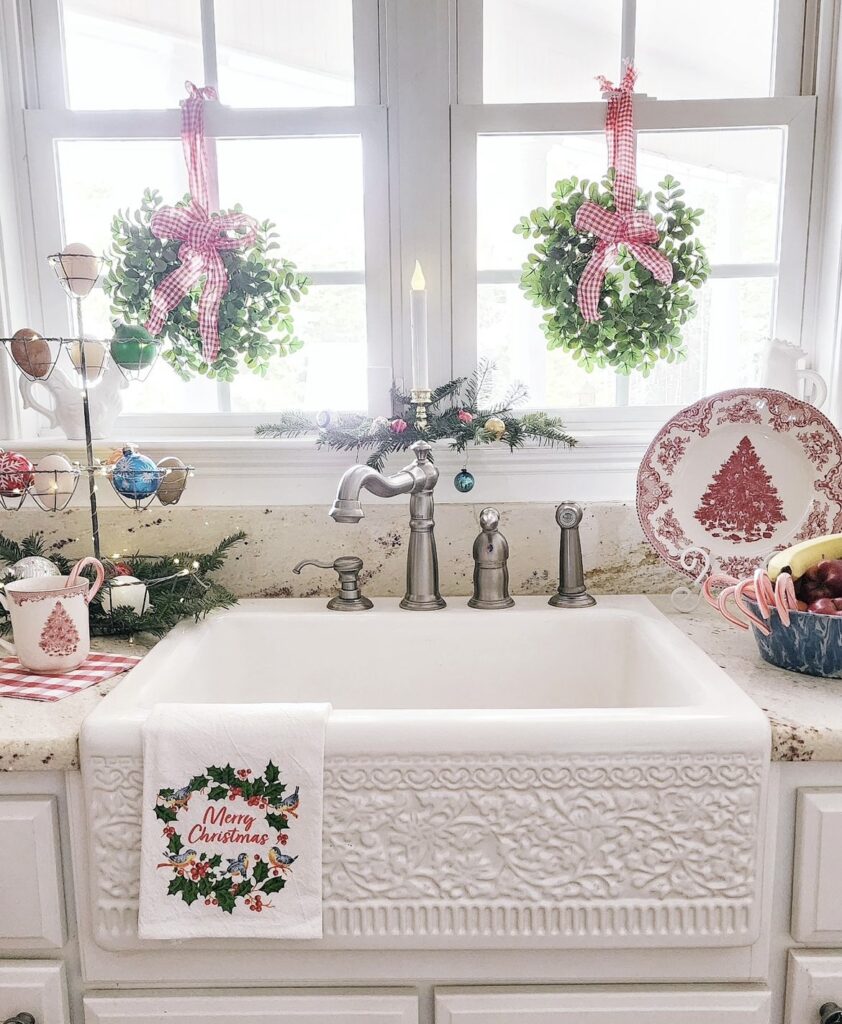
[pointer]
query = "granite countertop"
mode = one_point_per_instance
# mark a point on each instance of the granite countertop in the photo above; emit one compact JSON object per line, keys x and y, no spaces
{"x":805,"y":712}
{"x":44,"y":735}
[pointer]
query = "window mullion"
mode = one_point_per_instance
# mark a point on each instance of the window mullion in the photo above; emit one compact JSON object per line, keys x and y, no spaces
{"x":628,"y":30}
{"x":209,"y":44}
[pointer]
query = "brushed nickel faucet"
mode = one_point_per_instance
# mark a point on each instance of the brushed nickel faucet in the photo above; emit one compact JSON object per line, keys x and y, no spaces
{"x":418,"y":480}
{"x":572,"y":592}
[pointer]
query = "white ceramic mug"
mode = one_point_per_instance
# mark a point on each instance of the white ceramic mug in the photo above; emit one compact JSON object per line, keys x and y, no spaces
{"x":50,"y":621}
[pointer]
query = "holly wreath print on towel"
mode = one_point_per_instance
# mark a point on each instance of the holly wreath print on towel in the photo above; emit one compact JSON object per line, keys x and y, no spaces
{"x":227,"y":832}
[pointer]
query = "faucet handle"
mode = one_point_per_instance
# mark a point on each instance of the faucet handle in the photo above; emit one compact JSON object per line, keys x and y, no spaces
{"x":350,"y":598}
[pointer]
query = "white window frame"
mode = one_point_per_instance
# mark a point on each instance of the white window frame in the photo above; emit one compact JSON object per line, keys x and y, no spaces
{"x":418,"y":100}
{"x":48,"y":120}
{"x":795,"y":114}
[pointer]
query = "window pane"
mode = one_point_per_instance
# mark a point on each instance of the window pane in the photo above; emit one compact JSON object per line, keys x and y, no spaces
{"x":733,"y":175}
{"x":97,"y":179}
{"x":724,"y":344}
{"x":548,"y":51}
{"x":705,"y":50}
{"x":509,"y":334}
{"x":100,"y":177}
{"x":130,"y":54}
{"x":285,"y":53}
{"x":329,"y":372}
{"x":312,"y":188}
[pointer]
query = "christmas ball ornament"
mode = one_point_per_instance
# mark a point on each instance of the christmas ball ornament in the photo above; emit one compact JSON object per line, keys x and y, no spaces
{"x":464,"y":416}
{"x":125,"y":592}
{"x":55,"y":482}
{"x":32,"y":567}
{"x":174,"y":482}
{"x":122,"y":569}
{"x":15,"y":474}
{"x":464,"y":481}
{"x":96,"y":356}
{"x":77,"y":268}
{"x":398,"y":426}
{"x":494,"y":426}
{"x":31,"y":354}
{"x":326,"y":418}
{"x":378,"y":423}
{"x":135,"y":475}
{"x":133,"y":347}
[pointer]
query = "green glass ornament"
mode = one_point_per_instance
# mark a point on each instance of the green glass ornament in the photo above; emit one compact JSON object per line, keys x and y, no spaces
{"x":464,"y":481}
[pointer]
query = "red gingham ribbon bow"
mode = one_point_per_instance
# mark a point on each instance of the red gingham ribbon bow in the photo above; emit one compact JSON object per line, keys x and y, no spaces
{"x":202,"y":236}
{"x":633,"y":228}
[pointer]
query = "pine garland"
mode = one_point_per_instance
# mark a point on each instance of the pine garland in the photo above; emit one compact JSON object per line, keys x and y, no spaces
{"x":458,"y":414}
{"x":191,"y":595}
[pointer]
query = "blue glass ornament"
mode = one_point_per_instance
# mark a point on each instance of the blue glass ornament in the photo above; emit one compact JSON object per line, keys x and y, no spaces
{"x":464,"y":481}
{"x":135,"y":475}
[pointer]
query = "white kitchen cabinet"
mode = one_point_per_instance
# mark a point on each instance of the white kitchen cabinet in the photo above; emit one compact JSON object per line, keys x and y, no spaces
{"x":35,"y":987}
{"x":31,"y":896}
{"x":270,"y":1007}
{"x":813,"y":978}
{"x":637,"y":1004}
{"x":817,"y":880}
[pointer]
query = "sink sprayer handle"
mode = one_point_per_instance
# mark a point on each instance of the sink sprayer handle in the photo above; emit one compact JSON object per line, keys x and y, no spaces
{"x":20,"y":1018}
{"x":830,"y":1013}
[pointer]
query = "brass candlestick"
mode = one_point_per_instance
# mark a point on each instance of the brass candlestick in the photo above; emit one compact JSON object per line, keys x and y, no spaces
{"x":421,"y":398}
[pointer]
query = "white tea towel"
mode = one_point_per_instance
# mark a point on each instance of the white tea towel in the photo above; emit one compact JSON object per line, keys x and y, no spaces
{"x":232,"y":821}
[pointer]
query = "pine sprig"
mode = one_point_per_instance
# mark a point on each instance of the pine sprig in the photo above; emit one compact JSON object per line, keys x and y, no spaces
{"x":380,"y":437}
{"x":189,"y":595}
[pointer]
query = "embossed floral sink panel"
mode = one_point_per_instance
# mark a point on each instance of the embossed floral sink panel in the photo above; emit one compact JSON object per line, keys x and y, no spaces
{"x":531,"y":777}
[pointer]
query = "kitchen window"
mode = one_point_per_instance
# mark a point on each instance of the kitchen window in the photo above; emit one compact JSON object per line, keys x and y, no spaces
{"x":375,"y":132}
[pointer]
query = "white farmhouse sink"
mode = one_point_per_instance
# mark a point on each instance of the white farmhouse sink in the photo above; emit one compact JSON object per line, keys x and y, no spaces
{"x":535,"y":776}
{"x":615,"y":677}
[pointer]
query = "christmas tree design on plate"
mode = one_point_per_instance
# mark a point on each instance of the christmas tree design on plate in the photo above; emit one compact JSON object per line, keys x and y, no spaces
{"x":59,"y":636}
{"x":741,"y":503}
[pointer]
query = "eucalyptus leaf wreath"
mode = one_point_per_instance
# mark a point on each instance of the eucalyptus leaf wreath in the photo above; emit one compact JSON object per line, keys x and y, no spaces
{"x":641,"y":318}
{"x":255,"y":313}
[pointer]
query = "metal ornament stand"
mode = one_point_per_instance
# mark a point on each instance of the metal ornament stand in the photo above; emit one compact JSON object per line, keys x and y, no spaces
{"x":38,"y":370}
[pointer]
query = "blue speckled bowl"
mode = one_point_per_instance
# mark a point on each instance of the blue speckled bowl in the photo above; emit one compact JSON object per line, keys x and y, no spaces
{"x":811,"y":644}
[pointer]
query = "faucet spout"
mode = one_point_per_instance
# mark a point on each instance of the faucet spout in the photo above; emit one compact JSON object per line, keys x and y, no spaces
{"x":347,"y":507}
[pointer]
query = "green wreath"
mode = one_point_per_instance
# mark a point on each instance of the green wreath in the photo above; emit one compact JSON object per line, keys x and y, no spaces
{"x":242,"y":878}
{"x":641,"y":318}
{"x":255,"y":313}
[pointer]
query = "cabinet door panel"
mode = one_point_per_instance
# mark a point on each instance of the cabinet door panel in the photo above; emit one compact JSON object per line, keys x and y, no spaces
{"x":271,"y":1007}
{"x":817,"y":881}
{"x":31,"y":910}
{"x":602,"y":1005}
{"x":35,"y":987}
{"x":812,"y":980}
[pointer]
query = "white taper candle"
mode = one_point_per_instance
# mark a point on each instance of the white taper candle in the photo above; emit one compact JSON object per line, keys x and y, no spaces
{"x":418,"y":329}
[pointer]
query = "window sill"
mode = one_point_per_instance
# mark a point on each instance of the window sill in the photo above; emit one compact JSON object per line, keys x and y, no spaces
{"x":233,"y":471}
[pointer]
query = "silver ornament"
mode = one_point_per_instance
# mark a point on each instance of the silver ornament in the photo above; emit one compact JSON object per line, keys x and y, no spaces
{"x":32,"y":567}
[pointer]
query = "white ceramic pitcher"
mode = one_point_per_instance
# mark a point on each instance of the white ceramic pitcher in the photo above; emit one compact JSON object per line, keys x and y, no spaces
{"x":66,"y":409}
{"x":780,"y":371}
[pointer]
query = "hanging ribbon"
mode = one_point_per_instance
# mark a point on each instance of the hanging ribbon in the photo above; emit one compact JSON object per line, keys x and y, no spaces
{"x":625,"y":225}
{"x":202,"y":235}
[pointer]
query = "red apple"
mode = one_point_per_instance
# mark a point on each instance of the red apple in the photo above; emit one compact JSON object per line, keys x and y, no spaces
{"x":829,"y":572}
{"x":823,"y":606}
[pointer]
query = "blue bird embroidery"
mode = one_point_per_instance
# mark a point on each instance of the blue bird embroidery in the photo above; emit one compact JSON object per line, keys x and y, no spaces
{"x":238,"y":866}
{"x":281,"y":861}
{"x":289,"y":804}
{"x":178,"y":860}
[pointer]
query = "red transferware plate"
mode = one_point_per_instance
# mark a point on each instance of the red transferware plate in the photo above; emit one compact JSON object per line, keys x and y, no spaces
{"x":741,"y":474}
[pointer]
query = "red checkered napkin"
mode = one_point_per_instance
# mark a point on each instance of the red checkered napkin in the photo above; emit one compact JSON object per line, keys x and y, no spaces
{"x":18,"y":682}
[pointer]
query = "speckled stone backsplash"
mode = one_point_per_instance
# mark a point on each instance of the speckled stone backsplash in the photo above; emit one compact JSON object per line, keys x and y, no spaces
{"x":617,"y":557}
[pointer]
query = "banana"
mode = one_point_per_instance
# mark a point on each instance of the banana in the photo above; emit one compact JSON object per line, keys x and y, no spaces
{"x":799,"y":558}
